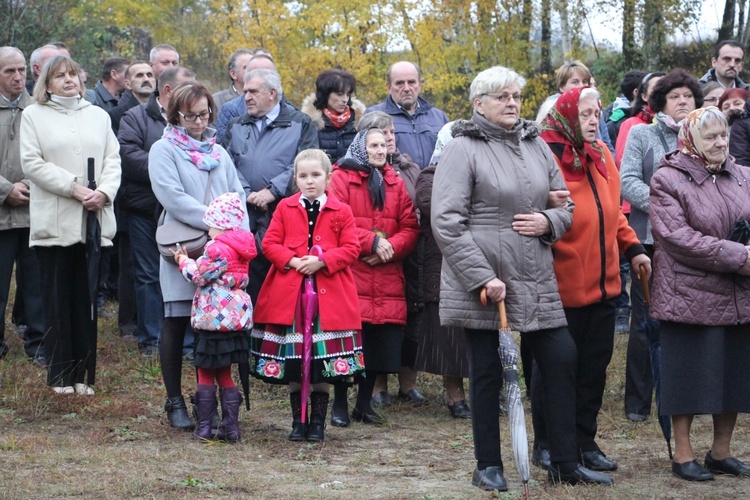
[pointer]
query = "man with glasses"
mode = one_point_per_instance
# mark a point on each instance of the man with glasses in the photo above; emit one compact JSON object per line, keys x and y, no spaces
{"x":263,"y":144}
{"x":417,"y":122}
{"x":726,"y":65}
{"x":140,"y":128}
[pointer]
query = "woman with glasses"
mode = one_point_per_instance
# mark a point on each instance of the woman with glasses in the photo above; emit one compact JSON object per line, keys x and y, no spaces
{"x":587,"y":262}
{"x":185,"y":165}
{"x":499,"y":202}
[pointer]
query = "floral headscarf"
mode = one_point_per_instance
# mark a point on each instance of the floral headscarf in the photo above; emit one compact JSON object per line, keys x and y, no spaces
{"x":690,"y":141}
{"x":561,"y":126}
{"x":203,"y":154}
{"x":356,"y":159}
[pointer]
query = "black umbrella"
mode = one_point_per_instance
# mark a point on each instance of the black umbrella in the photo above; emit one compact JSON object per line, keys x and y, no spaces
{"x":740,"y":232}
{"x":651,"y":327}
{"x":93,"y":245}
{"x":244,"y":370}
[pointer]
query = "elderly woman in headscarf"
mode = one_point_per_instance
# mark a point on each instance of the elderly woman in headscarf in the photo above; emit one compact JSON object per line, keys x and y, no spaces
{"x":701,"y":292}
{"x":493,"y":224}
{"x":587,"y":263}
{"x":388,"y":231}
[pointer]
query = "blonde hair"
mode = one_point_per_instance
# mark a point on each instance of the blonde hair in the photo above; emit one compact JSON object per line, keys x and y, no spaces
{"x":48,"y":73}
{"x":314,"y":155}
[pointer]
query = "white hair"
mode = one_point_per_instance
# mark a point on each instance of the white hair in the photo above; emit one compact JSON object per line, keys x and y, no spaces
{"x":589,"y":93}
{"x":492,"y":79}
{"x":271,"y":80}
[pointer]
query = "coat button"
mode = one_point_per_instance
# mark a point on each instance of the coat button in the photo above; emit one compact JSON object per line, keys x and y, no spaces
{"x":317,"y":238}
{"x":77,"y":151}
{"x":73,"y":130}
{"x":323,"y":291}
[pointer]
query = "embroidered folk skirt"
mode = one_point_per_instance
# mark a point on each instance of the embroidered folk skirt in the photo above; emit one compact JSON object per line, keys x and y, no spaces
{"x":277,"y":354}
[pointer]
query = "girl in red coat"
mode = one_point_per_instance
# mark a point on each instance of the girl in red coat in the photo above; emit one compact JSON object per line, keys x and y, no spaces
{"x":300,"y":222}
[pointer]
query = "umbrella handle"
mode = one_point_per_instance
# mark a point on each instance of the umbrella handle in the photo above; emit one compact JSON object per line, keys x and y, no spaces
{"x":500,"y":308}
{"x":644,"y":281}
{"x":316,"y":250}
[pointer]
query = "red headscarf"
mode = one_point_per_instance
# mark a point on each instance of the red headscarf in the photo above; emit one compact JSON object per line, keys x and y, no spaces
{"x":561,"y":126}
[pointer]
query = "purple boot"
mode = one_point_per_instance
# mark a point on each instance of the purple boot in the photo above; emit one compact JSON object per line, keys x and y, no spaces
{"x":205,"y":402}
{"x":229,"y":430}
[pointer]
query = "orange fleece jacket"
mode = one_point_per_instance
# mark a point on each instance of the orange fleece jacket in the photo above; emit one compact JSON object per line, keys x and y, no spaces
{"x":587,"y":258}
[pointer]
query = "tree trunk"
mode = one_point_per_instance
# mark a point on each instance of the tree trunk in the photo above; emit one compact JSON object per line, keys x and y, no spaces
{"x":741,"y":21}
{"x":727,"y":21}
{"x":526,"y":20}
{"x":629,"y":52}
{"x":546,"y":66}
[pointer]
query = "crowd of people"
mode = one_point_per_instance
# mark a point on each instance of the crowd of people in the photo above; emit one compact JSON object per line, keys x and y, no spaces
{"x":334,"y":244}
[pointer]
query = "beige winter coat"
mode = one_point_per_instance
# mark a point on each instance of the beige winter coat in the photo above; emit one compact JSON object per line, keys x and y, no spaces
{"x":55,"y":146}
{"x":10,"y":163}
{"x":486,"y":175}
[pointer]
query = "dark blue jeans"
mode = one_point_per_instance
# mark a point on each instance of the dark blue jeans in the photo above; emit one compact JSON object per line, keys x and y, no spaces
{"x":145,"y":258}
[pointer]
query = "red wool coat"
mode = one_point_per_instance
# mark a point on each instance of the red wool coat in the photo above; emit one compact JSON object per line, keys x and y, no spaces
{"x":380,"y":287}
{"x":286,"y":237}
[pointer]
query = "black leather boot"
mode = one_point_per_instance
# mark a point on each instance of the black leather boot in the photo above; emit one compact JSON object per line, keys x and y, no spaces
{"x":340,"y":410}
{"x":229,"y":430}
{"x":177,"y":413}
{"x":205,"y":403}
{"x":318,"y":410}
{"x":299,"y":429}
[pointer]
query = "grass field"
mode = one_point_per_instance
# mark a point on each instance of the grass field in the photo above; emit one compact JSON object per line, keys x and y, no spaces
{"x":118,"y":444}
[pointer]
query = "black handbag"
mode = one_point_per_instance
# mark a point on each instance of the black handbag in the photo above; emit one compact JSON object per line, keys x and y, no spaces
{"x":740,"y":232}
{"x":175,"y":234}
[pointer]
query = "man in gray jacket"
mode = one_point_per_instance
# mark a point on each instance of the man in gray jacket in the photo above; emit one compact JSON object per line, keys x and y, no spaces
{"x":263,"y":144}
{"x":236,"y":68}
{"x":417,"y":122}
{"x":14,"y":208}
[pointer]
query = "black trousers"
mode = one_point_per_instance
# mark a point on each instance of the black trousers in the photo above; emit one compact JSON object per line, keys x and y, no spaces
{"x":71,"y":331}
{"x":556,"y":353}
{"x":639,"y":380}
{"x":592,"y":328}
{"x":14,"y":250}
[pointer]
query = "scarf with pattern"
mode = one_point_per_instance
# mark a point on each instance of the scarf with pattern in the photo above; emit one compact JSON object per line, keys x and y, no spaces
{"x":691,"y":142}
{"x":338,"y":120}
{"x":356,"y":159}
{"x":562,"y":126}
{"x":203,"y":154}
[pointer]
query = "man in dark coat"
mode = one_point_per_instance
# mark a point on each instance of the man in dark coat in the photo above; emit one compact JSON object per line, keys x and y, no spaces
{"x":140,"y":128}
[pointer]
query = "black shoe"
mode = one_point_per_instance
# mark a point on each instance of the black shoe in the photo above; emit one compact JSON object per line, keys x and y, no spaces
{"x":340,"y":418}
{"x":730,"y":466}
{"x":177,"y":414}
{"x":148,"y":351}
{"x":460,"y":409}
{"x":39,"y":360}
{"x":299,"y":432}
{"x":580,"y":475}
{"x":413,"y":396}
{"x":381,"y":399}
{"x":636,"y":417}
{"x":489,"y":479}
{"x":691,"y":471}
{"x":540,"y":458}
{"x":598,"y":461}
{"x":367,"y":418}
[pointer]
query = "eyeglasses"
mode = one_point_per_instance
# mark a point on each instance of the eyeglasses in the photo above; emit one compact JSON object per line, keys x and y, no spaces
{"x":192,"y":117}
{"x":710,"y":99}
{"x":504,"y":98}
